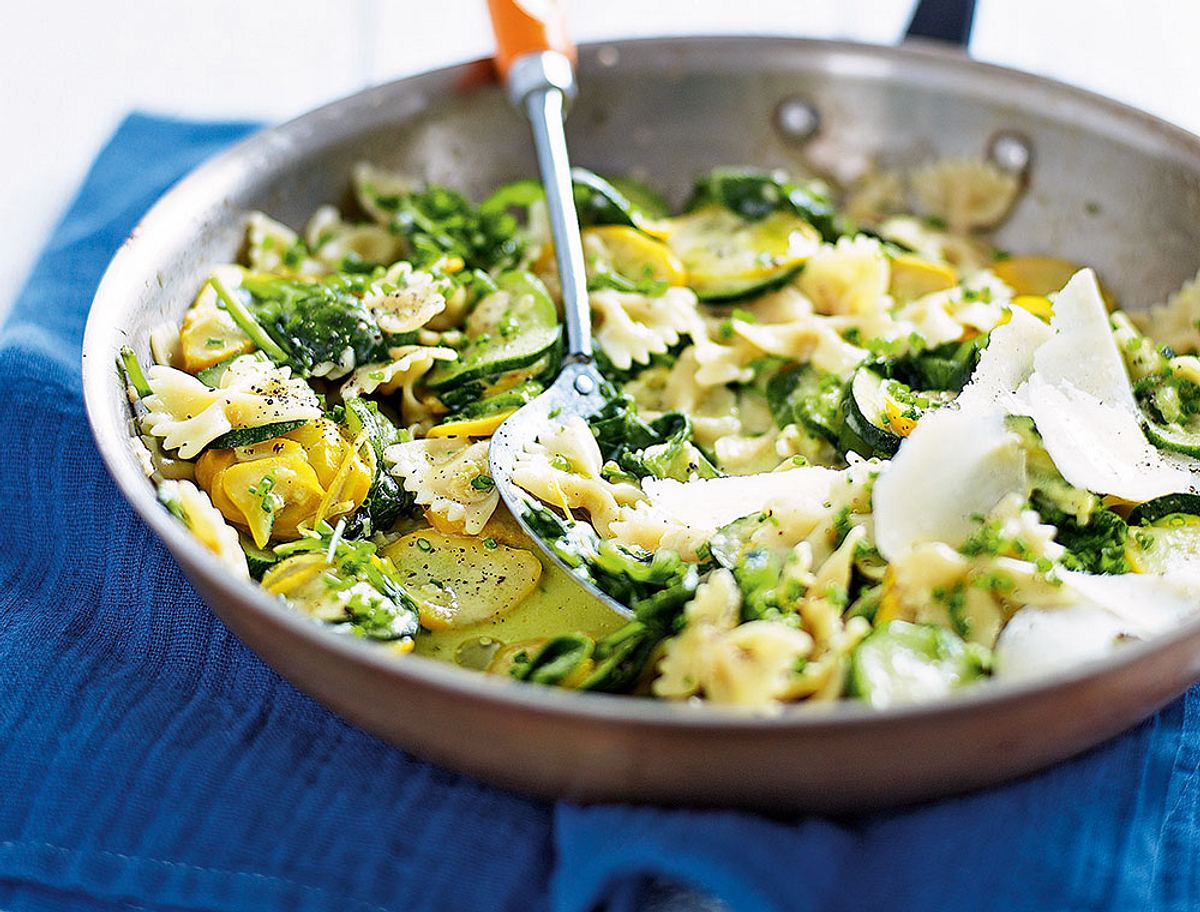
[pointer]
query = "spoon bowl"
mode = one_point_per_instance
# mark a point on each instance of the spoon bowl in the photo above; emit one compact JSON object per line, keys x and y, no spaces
{"x":577,"y":392}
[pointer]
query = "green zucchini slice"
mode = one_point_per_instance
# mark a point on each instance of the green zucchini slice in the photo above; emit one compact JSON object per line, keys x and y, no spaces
{"x":509,"y":329}
{"x":211,"y":376}
{"x":386,"y":500}
{"x":259,"y":560}
{"x":879,"y":412}
{"x":500,"y":402}
{"x":1170,"y":542}
{"x":866,"y":429}
{"x":248,"y":436}
{"x":645,"y":202}
{"x":1178,"y":438}
{"x":728,"y":256}
{"x":909,"y":663}
{"x":599,"y":202}
{"x":1170,"y":405}
{"x":1154,"y":510}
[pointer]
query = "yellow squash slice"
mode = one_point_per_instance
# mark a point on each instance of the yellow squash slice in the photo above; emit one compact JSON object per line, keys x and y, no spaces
{"x":459,"y":580}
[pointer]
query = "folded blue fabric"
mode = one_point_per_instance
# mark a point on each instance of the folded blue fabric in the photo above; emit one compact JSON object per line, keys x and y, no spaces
{"x":149,"y":761}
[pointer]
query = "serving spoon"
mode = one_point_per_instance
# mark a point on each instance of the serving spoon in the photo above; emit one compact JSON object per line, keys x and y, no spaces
{"x":534,"y":56}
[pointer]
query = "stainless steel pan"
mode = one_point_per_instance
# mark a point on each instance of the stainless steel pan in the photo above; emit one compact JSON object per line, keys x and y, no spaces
{"x":1108,"y":186}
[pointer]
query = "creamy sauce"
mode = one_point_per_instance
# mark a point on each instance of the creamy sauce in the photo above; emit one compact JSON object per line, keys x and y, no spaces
{"x":557,"y":605}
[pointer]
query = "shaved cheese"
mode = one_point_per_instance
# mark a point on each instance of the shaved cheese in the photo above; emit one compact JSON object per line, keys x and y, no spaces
{"x":1040,"y":641}
{"x":1146,"y":604}
{"x":710,"y":503}
{"x":1100,"y":446}
{"x":1107,"y":611}
{"x":961,"y":462}
{"x":1083,"y":351}
{"x":1081,"y":400}
{"x":956,"y":466}
{"x":1005,"y":363}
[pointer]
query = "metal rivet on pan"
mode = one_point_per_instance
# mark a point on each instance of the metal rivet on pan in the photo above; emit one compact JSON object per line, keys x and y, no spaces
{"x":583,"y":385}
{"x":797,"y":119}
{"x":1010,"y":151}
{"x":608,"y":56}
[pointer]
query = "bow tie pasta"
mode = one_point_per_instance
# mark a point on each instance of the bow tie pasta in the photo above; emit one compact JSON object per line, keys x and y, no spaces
{"x":839,"y":453}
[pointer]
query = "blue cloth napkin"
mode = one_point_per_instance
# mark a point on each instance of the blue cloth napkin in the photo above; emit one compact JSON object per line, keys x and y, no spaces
{"x":149,"y":761}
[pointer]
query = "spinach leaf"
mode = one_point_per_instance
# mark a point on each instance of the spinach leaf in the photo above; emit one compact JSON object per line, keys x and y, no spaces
{"x":943,"y":367}
{"x":655,"y":586}
{"x":758,"y":570}
{"x":440,"y":222}
{"x":315,"y":324}
{"x":754,"y":193}
{"x":803,"y":394}
{"x":387,"y":499}
{"x":662,"y":448}
{"x":556,"y":661}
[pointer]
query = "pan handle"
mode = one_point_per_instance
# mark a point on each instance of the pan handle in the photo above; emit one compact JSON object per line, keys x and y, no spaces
{"x":943,"y":20}
{"x":528,"y":27}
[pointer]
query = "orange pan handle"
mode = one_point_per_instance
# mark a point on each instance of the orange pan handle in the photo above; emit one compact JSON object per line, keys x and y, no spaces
{"x":527,"y":27}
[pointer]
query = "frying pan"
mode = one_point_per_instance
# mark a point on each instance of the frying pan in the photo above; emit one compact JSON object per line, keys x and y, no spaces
{"x":1107,"y":185}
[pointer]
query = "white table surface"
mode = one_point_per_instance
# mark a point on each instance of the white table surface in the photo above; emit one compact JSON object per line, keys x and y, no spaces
{"x":72,"y":69}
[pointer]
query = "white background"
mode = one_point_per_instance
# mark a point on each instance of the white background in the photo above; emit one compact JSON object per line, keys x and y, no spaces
{"x":72,"y":68}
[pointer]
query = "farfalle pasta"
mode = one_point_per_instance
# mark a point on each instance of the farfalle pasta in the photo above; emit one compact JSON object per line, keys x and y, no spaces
{"x":188,"y":415}
{"x":839,"y":454}
{"x":445,"y":476}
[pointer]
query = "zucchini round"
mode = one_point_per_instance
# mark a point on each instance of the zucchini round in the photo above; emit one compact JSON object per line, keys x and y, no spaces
{"x":386,"y":500}
{"x":1174,"y":437}
{"x":259,"y":560}
{"x":500,"y":402}
{"x":1154,"y":510}
{"x":631,"y":254}
{"x":914,"y":277}
{"x":727,"y":256}
{"x":615,"y":201}
{"x":482,"y":417}
{"x":866,"y":429}
{"x":1041,"y":276}
{"x":248,"y":436}
{"x":645,"y":202}
{"x":211,"y":376}
{"x":598,"y":202}
{"x":1171,"y":542}
{"x":509,"y":329}
{"x":909,"y":663}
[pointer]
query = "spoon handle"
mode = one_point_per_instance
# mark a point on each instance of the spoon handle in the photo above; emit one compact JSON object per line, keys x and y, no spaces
{"x":528,"y":27}
{"x":541,"y":82}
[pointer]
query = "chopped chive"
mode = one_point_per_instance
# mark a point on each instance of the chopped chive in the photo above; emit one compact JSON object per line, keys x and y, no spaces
{"x":133,"y":372}
{"x":247,"y":324}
